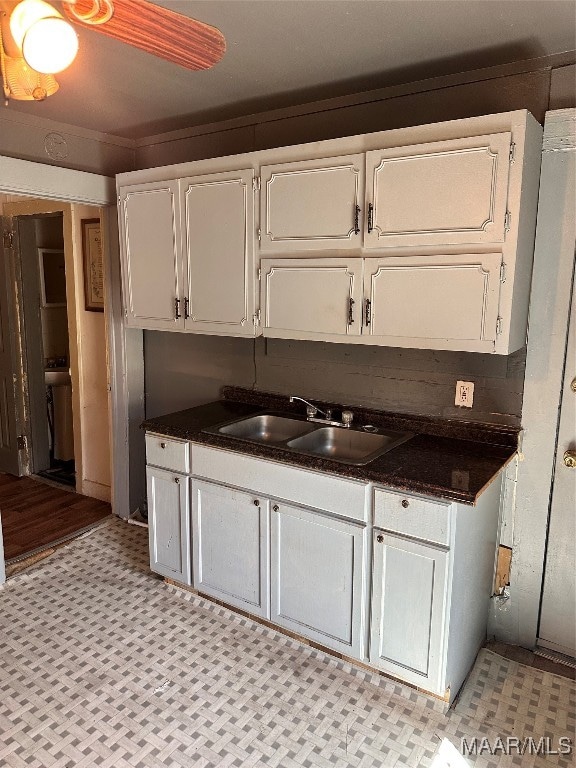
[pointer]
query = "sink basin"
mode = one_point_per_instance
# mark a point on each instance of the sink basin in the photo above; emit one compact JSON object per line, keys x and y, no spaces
{"x":266,"y":428}
{"x":348,"y":445}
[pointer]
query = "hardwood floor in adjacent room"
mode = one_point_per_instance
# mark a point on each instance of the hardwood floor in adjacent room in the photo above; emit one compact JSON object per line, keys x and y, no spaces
{"x":35,"y":514}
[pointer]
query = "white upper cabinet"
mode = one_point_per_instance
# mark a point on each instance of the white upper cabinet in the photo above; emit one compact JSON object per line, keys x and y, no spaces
{"x":150,"y":248}
{"x":433,"y":302}
{"x":218,"y":246}
{"x":440,"y":193}
{"x":311,"y":297}
{"x":312,"y":204}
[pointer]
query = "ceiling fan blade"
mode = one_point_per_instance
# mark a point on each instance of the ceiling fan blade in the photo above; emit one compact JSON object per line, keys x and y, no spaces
{"x":159,"y":31}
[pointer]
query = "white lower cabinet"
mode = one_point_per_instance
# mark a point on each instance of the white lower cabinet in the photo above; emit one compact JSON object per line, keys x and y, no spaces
{"x":318,"y":585}
{"x":409,"y":593}
{"x":169,"y":523}
{"x":230,"y":541}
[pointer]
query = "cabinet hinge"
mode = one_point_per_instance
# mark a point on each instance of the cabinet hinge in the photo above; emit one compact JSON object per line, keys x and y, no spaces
{"x":502,"y":272}
{"x":507,"y":218}
{"x":21,"y":442}
{"x":259,"y":274}
{"x":8,"y":239}
{"x":259,"y":232}
{"x":125,"y":313}
{"x":512,"y":151}
{"x":256,"y":183}
{"x":498,"y":326}
{"x":256,"y":318}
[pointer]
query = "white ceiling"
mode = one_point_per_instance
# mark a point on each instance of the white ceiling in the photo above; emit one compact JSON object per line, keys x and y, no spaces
{"x":282,"y":52}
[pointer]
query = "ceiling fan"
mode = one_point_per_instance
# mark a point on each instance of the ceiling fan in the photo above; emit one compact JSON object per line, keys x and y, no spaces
{"x":36,"y":41}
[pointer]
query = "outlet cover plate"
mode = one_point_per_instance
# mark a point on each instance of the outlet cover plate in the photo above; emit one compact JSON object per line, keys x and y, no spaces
{"x":464,"y":394}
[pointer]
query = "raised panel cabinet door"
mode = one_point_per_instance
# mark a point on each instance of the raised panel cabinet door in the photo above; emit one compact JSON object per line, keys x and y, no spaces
{"x":409,"y":599}
{"x":439,"y":193}
{"x":150,"y":247}
{"x":169,"y":524}
{"x":317,"y":577}
{"x":311,"y":298}
{"x":230,"y":535}
{"x":218,"y":227}
{"x":433,"y":302}
{"x":312,"y":204}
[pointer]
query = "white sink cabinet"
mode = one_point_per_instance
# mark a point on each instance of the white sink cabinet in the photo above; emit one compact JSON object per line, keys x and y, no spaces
{"x":168,"y":507}
{"x":399,"y":581}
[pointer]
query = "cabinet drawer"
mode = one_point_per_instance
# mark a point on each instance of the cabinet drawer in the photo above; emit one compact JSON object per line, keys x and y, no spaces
{"x":412,"y":516}
{"x":168,"y":453}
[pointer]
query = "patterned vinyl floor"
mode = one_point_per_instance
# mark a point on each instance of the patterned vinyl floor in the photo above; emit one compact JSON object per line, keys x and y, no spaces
{"x":103,"y":665}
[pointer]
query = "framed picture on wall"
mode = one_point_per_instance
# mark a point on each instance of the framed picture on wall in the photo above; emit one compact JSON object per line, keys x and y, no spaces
{"x":93,"y":265}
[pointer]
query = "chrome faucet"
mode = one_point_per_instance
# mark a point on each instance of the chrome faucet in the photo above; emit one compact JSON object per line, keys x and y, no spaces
{"x":313,"y":410}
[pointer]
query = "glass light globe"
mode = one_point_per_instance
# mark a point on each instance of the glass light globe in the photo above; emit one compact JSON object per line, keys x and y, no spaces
{"x":50,"y":45}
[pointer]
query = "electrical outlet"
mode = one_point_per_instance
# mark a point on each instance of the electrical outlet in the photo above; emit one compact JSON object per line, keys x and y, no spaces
{"x":464,"y":394}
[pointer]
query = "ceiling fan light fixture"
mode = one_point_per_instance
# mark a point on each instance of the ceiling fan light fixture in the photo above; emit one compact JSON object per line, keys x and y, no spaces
{"x":47,"y":41}
{"x":24,"y":84}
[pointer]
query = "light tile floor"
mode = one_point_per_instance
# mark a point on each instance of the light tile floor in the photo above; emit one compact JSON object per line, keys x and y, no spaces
{"x":102,"y":664}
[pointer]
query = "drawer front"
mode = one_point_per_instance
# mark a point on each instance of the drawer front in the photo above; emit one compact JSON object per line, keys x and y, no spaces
{"x":412,"y":516}
{"x":168,"y":453}
{"x":346,"y":498}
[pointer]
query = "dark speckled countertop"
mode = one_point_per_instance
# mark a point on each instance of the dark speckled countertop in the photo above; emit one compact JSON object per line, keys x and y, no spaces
{"x":446,"y":459}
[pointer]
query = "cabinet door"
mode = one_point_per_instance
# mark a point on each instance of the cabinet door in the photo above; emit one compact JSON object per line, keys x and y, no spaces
{"x":439,"y":193}
{"x":169,"y":524}
{"x":311,"y":298}
{"x":312,"y":205}
{"x":318,"y":577}
{"x":218,"y":227}
{"x":409,"y":599}
{"x":150,"y":246}
{"x":433,"y":302}
{"x":230,"y":534}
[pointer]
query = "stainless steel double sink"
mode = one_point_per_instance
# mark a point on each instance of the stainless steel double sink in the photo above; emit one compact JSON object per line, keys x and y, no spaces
{"x":344,"y":444}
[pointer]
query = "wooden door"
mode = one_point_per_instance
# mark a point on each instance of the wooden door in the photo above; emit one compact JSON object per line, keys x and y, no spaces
{"x":311,"y":298}
{"x":169,"y":524}
{"x":317,"y":577}
{"x":409,"y":609}
{"x":312,"y":204}
{"x":10,"y":369}
{"x":558,"y":612}
{"x":433,"y":302}
{"x":230,"y":535}
{"x":438,"y":193}
{"x":218,"y":227}
{"x":151,"y":256}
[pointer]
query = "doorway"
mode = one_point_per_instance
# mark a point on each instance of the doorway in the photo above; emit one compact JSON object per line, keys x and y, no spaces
{"x":47,"y":347}
{"x":58,"y":376}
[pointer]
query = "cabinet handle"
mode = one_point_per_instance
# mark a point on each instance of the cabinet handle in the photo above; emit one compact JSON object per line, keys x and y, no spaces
{"x":177,"y":480}
{"x":356,"y":219}
{"x":256,"y":503}
{"x":350,"y":311}
{"x":275,"y":507}
{"x":370,"y":217}
{"x":162,"y":445}
{"x":367,"y":312}
{"x":379,"y":538}
{"x":405,"y":503}
{"x":186,"y":308}
{"x":177,"y":314}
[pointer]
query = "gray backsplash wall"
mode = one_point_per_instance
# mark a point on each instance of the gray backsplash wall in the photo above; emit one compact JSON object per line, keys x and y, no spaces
{"x":413,"y":381}
{"x":183,"y":370}
{"x":187,"y":369}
